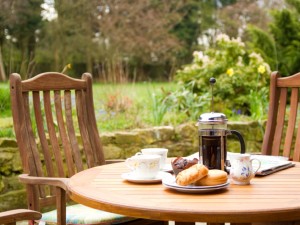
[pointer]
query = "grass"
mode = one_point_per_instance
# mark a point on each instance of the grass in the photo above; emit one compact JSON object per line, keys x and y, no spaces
{"x":128,"y":106}
{"x":117,"y":107}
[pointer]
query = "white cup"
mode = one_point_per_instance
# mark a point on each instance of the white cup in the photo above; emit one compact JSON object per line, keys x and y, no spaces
{"x":143,"y":166}
{"x":163,"y":152}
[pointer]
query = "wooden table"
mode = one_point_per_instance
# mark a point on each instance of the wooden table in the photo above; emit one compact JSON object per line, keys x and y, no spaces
{"x":272,"y":198}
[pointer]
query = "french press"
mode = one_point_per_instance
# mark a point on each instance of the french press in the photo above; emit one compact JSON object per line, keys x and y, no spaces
{"x":212,"y":130}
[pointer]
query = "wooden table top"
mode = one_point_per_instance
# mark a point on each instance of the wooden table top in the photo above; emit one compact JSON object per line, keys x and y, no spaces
{"x":274,"y":197}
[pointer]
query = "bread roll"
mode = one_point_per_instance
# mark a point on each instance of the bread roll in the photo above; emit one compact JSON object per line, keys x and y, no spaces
{"x":214,"y":177}
{"x":191,"y":174}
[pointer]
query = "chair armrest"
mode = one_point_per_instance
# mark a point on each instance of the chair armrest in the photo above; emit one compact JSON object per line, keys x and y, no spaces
{"x":13,"y":216}
{"x":53,"y":181}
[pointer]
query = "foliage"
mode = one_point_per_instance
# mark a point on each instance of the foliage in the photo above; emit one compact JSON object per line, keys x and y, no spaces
{"x":4,"y":101}
{"x":116,"y":41}
{"x":159,"y":108}
{"x":286,"y":33}
{"x":238,"y":71}
{"x":263,"y":43}
{"x":283,"y":37}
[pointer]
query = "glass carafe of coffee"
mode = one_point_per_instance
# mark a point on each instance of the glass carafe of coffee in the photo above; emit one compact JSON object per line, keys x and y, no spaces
{"x":212,"y":128}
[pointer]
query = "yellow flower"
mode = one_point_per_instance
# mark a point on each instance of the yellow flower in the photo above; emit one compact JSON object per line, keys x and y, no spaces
{"x":68,"y":66}
{"x":229,"y":72}
{"x":261,"y":69}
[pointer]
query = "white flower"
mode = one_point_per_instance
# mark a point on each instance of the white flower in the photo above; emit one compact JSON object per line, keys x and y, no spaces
{"x":257,"y":57}
{"x":198,"y":54}
{"x":222,"y":37}
{"x":238,"y":41}
{"x":240,"y":61}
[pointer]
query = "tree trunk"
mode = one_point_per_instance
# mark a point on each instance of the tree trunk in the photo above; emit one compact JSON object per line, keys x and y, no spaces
{"x":2,"y":70}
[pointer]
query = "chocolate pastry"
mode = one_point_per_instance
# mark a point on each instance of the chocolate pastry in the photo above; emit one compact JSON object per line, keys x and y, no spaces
{"x":181,"y":163}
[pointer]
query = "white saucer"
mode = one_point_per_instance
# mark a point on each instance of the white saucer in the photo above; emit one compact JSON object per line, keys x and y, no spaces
{"x":167,"y":168}
{"x":157,"y":179}
{"x":170,"y":182}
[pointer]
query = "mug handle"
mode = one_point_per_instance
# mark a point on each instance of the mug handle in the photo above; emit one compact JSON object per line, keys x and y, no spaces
{"x":241,"y":139}
{"x":259,"y":164}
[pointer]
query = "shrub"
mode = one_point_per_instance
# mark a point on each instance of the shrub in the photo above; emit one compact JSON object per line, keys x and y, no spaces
{"x":239,"y":73}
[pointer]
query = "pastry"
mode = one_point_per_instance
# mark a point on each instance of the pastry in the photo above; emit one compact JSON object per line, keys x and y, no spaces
{"x":214,"y":177}
{"x":180,"y":164}
{"x":192,"y":174}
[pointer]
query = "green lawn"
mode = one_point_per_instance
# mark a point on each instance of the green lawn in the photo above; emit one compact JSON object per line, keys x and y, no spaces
{"x":117,"y":106}
{"x":128,"y":106}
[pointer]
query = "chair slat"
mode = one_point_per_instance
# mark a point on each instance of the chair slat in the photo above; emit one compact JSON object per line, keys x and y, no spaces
{"x":52,"y":134}
{"x":63,"y":134}
{"x":71,"y":131}
{"x":296,"y":155}
{"x":291,"y":122}
{"x":83,"y":121}
{"x":272,"y":116}
{"x":42,"y":135}
{"x":33,"y":153}
{"x":280,"y":122}
{"x":92,"y":128}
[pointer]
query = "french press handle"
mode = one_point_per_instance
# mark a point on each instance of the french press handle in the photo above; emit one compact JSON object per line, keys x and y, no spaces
{"x":241,"y":139}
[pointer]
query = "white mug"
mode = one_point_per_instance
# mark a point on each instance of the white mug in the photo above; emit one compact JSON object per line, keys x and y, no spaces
{"x":143,"y":166}
{"x":163,"y":152}
{"x":241,"y":171}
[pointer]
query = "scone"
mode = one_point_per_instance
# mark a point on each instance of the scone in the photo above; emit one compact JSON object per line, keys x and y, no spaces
{"x":192,"y":174}
{"x":214,"y":177}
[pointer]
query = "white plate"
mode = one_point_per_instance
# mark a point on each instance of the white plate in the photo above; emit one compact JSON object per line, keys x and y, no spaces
{"x":157,"y":179}
{"x":170,"y":182}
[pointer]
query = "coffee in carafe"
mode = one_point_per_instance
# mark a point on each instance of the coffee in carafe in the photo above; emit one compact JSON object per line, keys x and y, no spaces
{"x":211,"y":146}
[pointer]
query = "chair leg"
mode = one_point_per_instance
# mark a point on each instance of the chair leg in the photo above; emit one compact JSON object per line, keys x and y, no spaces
{"x":61,"y":206}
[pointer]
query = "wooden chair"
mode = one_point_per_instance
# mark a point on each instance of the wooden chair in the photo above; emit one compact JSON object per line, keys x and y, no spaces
{"x":47,"y":111}
{"x":282,"y":134}
{"x":12,"y":216}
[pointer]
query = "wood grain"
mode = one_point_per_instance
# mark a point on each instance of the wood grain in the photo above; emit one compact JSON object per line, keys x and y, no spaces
{"x":272,"y":198}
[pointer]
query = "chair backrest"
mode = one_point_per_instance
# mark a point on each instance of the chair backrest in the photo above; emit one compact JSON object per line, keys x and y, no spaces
{"x":13,"y":216}
{"x":282,"y":134}
{"x":49,"y":111}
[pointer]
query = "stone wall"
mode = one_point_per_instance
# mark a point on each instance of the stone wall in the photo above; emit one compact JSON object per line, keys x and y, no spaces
{"x":181,"y":141}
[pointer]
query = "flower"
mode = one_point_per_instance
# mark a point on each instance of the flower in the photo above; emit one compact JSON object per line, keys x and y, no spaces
{"x":261,"y":69}
{"x":68,"y":66}
{"x":229,"y":72}
{"x":222,"y":37}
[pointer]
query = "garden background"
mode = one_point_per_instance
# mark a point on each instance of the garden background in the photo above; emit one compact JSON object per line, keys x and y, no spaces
{"x":151,"y":60}
{"x":151,"y":63}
